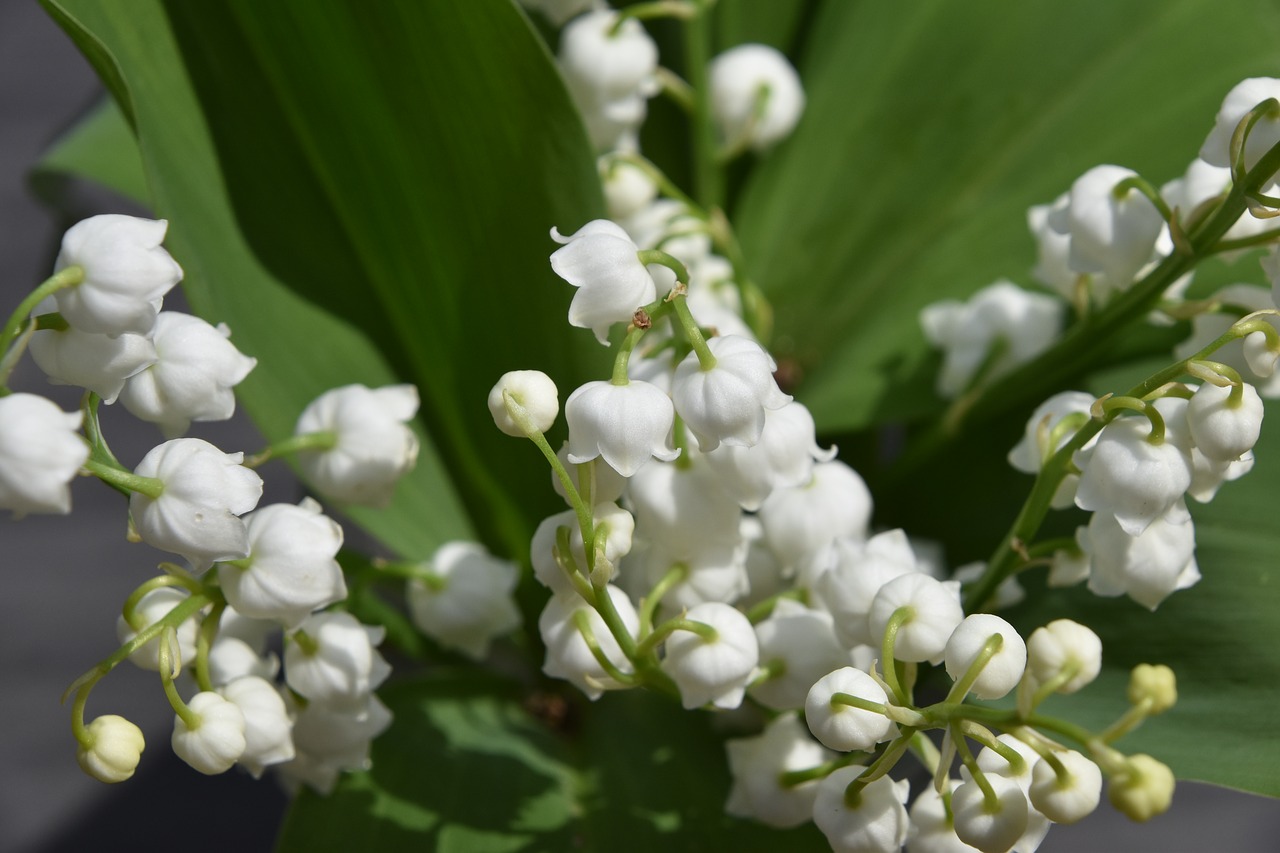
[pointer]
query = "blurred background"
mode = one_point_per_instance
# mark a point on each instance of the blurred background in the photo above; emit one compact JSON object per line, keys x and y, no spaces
{"x":64,"y":579}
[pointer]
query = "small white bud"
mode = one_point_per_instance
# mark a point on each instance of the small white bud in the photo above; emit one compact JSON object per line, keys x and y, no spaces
{"x":935,"y":613}
{"x":841,"y":727}
{"x":1068,"y":798}
{"x":217,"y":740}
{"x":534,"y":391}
{"x":740,"y":78}
{"x":1003,"y":670}
{"x":114,"y":751}
{"x":1064,"y":645}
{"x":992,"y":828}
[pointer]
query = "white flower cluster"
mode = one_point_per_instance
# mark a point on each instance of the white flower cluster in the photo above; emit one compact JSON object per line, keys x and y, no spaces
{"x":98,"y":324}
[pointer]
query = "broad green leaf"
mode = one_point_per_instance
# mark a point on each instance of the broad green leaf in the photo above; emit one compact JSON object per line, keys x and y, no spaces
{"x":1220,"y":637}
{"x":465,"y":767}
{"x":931,"y":127}
{"x":101,"y":148}
{"x":377,"y":216}
{"x":760,"y":22}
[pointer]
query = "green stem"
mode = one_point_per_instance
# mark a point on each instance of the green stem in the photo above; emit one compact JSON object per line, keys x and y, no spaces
{"x":859,"y":703}
{"x":649,"y":604}
{"x":62,"y":279}
{"x":674,"y":87}
{"x":962,"y":687}
{"x":582,"y":621}
{"x":167,"y":580}
{"x":706,"y":360}
{"x":124,"y":481}
{"x":189,"y":717}
{"x":204,"y":642}
{"x":622,"y":360}
{"x":650,"y":643}
{"x":318,"y":441}
{"x":888,"y":663}
{"x":671,"y":262}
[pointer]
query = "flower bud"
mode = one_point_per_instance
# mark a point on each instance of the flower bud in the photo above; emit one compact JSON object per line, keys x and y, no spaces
{"x":992,"y":828}
{"x":843,"y":727}
{"x":1153,"y":684}
{"x":727,"y":402}
{"x":756,"y":96}
{"x":1223,"y":429}
{"x":1003,"y":670}
{"x":875,"y":823}
{"x":935,"y":613}
{"x":1142,"y":789}
{"x":114,"y":750}
{"x":1060,"y":645}
{"x":534,"y":391}
{"x":1067,"y":798}
{"x":217,"y":740}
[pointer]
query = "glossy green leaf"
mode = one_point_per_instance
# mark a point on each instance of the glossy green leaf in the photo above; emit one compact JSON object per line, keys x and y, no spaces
{"x":1220,"y":637}
{"x":361,"y":219}
{"x":931,"y":127}
{"x":465,"y":767}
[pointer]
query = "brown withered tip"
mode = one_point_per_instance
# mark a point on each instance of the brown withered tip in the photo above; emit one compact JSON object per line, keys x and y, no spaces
{"x":552,"y":710}
{"x":641,"y":319}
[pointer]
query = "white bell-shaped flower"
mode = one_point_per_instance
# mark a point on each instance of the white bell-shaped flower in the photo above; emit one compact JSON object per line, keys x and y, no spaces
{"x":756,"y":95}
{"x":126,"y":274}
{"x":601,"y":260}
{"x":757,"y":764}
{"x":1259,"y":355}
{"x":803,"y":641}
{"x":848,"y":587}
{"x":197,"y":513}
{"x":114,"y":750}
{"x":1208,"y":475}
{"x":534,"y":391}
{"x":373,"y":444}
{"x":625,"y":425}
{"x":935,"y":613}
{"x":471,"y":603}
{"x":876,"y":823}
{"x":1069,"y":798}
{"x":1031,"y":452}
{"x":331,"y":660}
{"x":713,"y":571}
{"x":568,"y":655}
{"x":291,"y":569}
{"x":990,"y":829}
{"x":41,"y":450}
{"x":1207,"y":327}
{"x":216,"y":740}
{"x":713,"y":671}
{"x":1111,"y":235}
{"x":727,"y":402}
{"x":684,"y":509}
{"x":932,"y":829}
{"x":1201,"y":183}
{"x":1052,"y":248}
{"x":605,"y":483}
{"x":802,"y":522}
{"x":192,"y":379}
{"x":609,"y":74}
{"x":1003,"y":671}
{"x":613,"y":529}
{"x":1064,"y":646}
{"x":1147,"y":567}
{"x":1126,"y":476}
{"x":233,"y":657}
{"x":1224,"y":429}
{"x":99,"y":363}
{"x":841,"y":727}
{"x":1243,"y":97}
{"x":628,"y":189}
{"x":676,"y":229}
{"x":783,"y":457}
{"x":151,"y":608}
{"x":1021,"y":323}
{"x":268,"y":729}
{"x":329,"y":740}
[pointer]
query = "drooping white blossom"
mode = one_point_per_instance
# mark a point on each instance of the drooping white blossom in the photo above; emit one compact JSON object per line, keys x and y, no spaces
{"x":782,"y":457}
{"x":601,"y":260}
{"x":41,"y":450}
{"x":756,"y":95}
{"x":626,"y":425}
{"x":216,"y":740}
{"x":1147,"y":567}
{"x":1242,"y":98}
{"x":292,"y":566}
{"x":330,"y":740}
{"x":331,"y":659}
{"x":197,"y":512}
{"x":1001,"y":320}
{"x":803,"y":642}
{"x":151,"y":608}
{"x":609,"y":74}
{"x":1127,"y":477}
{"x":756,"y":765}
{"x":126,"y":274}
{"x":568,"y":655}
{"x":876,"y":823}
{"x":848,"y":587}
{"x":469,"y":602}
{"x":802,"y":522}
{"x":1111,"y":235}
{"x":932,"y":829}
{"x":1223,"y":428}
{"x":712,"y":671}
{"x":192,"y":378}
{"x":934,"y":613}
{"x":268,"y":729}
{"x":727,"y":402}
{"x":373,"y":446}
{"x":1206,"y":327}
{"x":98,"y":363}
{"x":1037,"y":445}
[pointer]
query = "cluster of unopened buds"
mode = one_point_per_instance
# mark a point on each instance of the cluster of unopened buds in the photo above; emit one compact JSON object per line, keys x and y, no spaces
{"x":250,"y":573}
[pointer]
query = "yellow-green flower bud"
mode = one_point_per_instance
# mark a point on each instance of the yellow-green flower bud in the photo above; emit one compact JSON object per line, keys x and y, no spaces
{"x":1142,"y":789}
{"x":1155,"y":685}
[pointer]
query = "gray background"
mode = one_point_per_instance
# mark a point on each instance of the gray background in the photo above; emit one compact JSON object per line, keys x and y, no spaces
{"x":65,"y":578}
